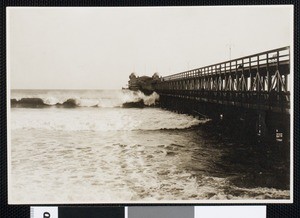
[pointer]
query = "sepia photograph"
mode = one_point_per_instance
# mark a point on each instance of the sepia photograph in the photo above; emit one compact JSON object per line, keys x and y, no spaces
{"x":150,"y":104}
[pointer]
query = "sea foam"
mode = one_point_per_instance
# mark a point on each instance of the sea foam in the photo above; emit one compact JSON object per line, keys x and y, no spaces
{"x":100,"y":119}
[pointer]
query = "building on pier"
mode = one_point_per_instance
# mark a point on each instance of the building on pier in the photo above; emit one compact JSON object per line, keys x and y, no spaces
{"x":145,"y":84}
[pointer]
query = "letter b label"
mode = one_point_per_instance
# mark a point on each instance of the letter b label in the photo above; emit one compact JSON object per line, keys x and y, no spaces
{"x":43,"y":212}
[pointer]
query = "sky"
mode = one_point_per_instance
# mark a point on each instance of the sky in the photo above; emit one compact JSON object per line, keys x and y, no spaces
{"x":98,"y":48}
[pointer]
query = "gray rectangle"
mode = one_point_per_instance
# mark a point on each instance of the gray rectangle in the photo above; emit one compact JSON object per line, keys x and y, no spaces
{"x":161,"y":212}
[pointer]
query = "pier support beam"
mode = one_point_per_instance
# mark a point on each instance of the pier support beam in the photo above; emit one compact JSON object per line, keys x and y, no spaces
{"x":261,"y":127}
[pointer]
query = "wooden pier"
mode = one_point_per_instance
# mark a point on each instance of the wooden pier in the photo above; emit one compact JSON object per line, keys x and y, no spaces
{"x":254,"y":89}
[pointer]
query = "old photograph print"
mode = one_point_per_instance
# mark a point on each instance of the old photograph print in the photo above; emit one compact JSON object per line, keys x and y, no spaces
{"x":149,"y":104}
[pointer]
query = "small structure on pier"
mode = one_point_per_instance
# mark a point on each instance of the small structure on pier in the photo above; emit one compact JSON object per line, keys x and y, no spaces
{"x":145,"y":84}
{"x":133,"y":82}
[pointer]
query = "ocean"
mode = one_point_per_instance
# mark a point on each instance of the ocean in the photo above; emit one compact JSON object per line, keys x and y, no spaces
{"x":103,"y":146}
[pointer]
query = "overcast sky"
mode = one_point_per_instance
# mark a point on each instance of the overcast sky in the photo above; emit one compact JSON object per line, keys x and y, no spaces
{"x":97,"y":48}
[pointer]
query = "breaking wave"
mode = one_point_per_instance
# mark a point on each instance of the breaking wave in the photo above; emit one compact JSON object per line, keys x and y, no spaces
{"x":123,"y":99}
{"x":94,"y":110}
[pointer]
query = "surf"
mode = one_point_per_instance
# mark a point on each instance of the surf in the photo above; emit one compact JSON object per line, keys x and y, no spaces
{"x":124,"y":98}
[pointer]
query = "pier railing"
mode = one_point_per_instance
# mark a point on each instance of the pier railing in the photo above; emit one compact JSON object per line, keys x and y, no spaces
{"x":259,"y":81}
